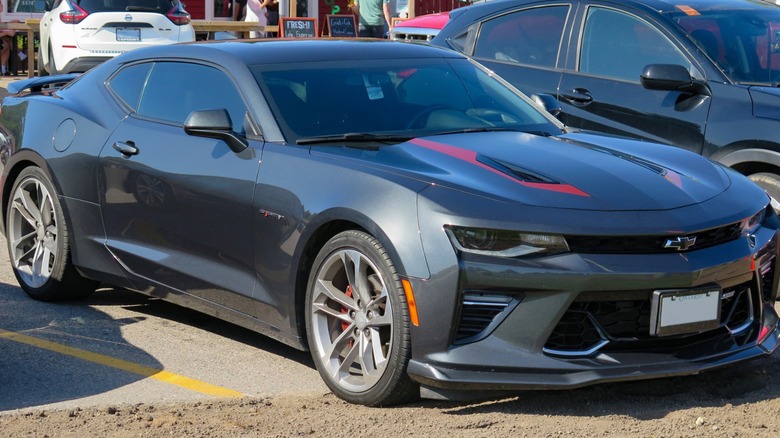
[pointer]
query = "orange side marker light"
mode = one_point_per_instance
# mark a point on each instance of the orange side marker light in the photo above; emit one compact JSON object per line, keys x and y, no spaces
{"x":410,"y":302}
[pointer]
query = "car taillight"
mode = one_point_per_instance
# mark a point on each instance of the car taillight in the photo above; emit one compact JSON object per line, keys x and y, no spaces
{"x":74,"y":16}
{"x":178,"y":16}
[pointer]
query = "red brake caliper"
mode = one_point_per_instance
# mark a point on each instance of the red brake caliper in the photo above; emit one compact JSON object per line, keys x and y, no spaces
{"x":345,"y":325}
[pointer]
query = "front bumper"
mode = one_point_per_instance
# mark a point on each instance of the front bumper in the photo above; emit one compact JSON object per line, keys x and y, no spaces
{"x":447,"y":378}
{"x":532,"y":342}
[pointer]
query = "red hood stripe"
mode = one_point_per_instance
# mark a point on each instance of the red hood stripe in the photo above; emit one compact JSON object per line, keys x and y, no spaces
{"x":471,"y":157}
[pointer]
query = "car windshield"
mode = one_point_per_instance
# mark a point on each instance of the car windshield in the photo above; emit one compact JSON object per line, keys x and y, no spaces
{"x":393,"y":99}
{"x":745,"y":44}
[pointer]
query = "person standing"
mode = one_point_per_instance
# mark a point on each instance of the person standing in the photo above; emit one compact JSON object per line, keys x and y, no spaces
{"x":372,"y":15}
{"x":256,"y":11}
{"x":6,"y":38}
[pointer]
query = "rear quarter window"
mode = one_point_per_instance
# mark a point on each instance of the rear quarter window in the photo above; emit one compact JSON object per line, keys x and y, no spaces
{"x":128,"y":84}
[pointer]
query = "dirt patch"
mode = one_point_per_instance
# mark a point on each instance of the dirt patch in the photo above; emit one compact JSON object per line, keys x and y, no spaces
{"x":737,"y":401}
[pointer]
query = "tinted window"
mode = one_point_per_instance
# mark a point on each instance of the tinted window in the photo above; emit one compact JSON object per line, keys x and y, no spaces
{"x":619,"y":45}
{"x":161,"y":6}
{"x":175,"y":89}
{"x":532,"y":36}
{"x":744,"y":44}
{"x":128,"y":84}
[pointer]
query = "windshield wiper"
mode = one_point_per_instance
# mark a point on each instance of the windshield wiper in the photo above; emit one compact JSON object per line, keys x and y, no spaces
{"x":492,"y":129}
{"x":353,"y":136}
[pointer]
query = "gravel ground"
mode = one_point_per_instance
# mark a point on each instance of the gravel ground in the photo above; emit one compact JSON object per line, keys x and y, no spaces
{"x":737,"y":401}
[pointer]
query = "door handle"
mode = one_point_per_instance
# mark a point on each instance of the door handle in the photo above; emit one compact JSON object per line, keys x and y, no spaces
{"x":127,"y":149}
{"x":579,"y":96}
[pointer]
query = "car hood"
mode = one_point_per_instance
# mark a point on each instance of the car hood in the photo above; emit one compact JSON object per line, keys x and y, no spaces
{"x":436,"y":20}
{"x":575,"y":171}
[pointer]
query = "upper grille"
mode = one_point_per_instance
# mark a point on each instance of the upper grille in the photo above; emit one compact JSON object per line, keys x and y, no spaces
{"x":651,"y":244}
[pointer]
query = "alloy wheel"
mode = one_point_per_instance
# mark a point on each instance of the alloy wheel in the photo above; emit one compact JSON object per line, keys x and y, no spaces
{"x":32,"y":232}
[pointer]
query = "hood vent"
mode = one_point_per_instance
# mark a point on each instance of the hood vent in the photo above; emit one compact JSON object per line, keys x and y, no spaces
{"x":514,"y":170}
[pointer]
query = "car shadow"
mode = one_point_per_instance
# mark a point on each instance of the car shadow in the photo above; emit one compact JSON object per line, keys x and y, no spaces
{"x":150,"y":306}
{"x":37,"y":364}
{"x":32,"y":376}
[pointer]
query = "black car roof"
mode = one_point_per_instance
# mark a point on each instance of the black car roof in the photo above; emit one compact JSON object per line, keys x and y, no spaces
{"x":661,"y":6}
{"x":293,"y":50}
{"x":699,"y":5}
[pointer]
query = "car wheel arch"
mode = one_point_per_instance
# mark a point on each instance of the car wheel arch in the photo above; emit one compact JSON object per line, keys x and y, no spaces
{"x":752,"y":159}
{"x":22,"y":160}
{"x":314,"y":237}
{"x":761,"y":165}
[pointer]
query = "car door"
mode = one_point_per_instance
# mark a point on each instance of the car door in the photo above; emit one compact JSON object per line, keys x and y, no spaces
{"x":177,"y":208}
{"x":523,"y":45}
{"x":600,"y":89}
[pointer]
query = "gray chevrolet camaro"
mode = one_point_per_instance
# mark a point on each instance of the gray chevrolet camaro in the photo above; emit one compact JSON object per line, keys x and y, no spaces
{"x":414,"y":221}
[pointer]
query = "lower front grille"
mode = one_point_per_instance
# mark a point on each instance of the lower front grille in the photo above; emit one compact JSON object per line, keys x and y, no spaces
{"x":590,"y":326}
{"x":480,"y":313}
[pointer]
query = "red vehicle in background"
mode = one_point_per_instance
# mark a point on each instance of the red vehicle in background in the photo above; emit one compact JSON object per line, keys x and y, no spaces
{"x":422,"y":28}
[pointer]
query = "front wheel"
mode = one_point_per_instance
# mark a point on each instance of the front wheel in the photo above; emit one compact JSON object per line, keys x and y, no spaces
{"x":771,"y":183}
{"x":38,"y":241}
{"x":357,"y":322}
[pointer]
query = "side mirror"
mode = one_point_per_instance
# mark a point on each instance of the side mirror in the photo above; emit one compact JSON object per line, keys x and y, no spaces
{"x":214,"y":123}
{"x":671,"y":77}
{"x":548,"y":102}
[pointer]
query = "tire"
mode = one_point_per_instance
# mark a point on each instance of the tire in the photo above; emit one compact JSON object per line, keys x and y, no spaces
{"x":41,"y":68}
{"x":38,"y":242}
{"x":771,"y":183}
{"x":339,"y":324}
{"x":52,"y":67}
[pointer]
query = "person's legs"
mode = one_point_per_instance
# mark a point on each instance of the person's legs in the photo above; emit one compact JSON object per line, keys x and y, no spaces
{"x":371,"y":31}
{"x":4,"y":54}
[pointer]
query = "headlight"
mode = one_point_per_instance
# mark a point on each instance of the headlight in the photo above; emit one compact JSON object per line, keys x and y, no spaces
{"x":752,"y":223}
{"x":504,"y":243}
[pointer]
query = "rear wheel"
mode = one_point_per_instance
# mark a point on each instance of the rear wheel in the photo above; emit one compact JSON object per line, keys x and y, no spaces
{"x":52,"y":68}
{"x":38,"y":241}
{"x":357,"y":322}
{"x":41,"y":68}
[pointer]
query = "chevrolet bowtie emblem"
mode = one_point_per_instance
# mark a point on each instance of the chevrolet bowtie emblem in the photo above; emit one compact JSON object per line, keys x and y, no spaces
{"x":680,"y":243}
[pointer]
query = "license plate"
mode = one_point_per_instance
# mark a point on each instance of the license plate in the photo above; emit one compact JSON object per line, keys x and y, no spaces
{"x":128,"y":34}
{"x":685,"y":311}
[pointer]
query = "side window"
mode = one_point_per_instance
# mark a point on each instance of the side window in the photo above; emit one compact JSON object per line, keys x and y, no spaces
{"x":619,"y":45}
{"x":531,"y":36}
{"x":129,"y":83}
{"x":175,"y":89}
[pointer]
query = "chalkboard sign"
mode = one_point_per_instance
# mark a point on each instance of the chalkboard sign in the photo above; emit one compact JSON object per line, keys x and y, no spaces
{"x":297,"y":27}
{"x":341,"y":26}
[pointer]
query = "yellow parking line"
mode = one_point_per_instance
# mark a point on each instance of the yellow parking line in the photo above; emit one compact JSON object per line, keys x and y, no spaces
{"x":161,"y":375}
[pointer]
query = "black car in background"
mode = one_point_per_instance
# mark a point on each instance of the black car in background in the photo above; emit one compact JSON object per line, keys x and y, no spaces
{"x":702,"y":74}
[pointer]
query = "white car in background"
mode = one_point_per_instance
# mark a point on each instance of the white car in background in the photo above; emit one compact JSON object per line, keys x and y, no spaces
{"x":76,"y":35}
